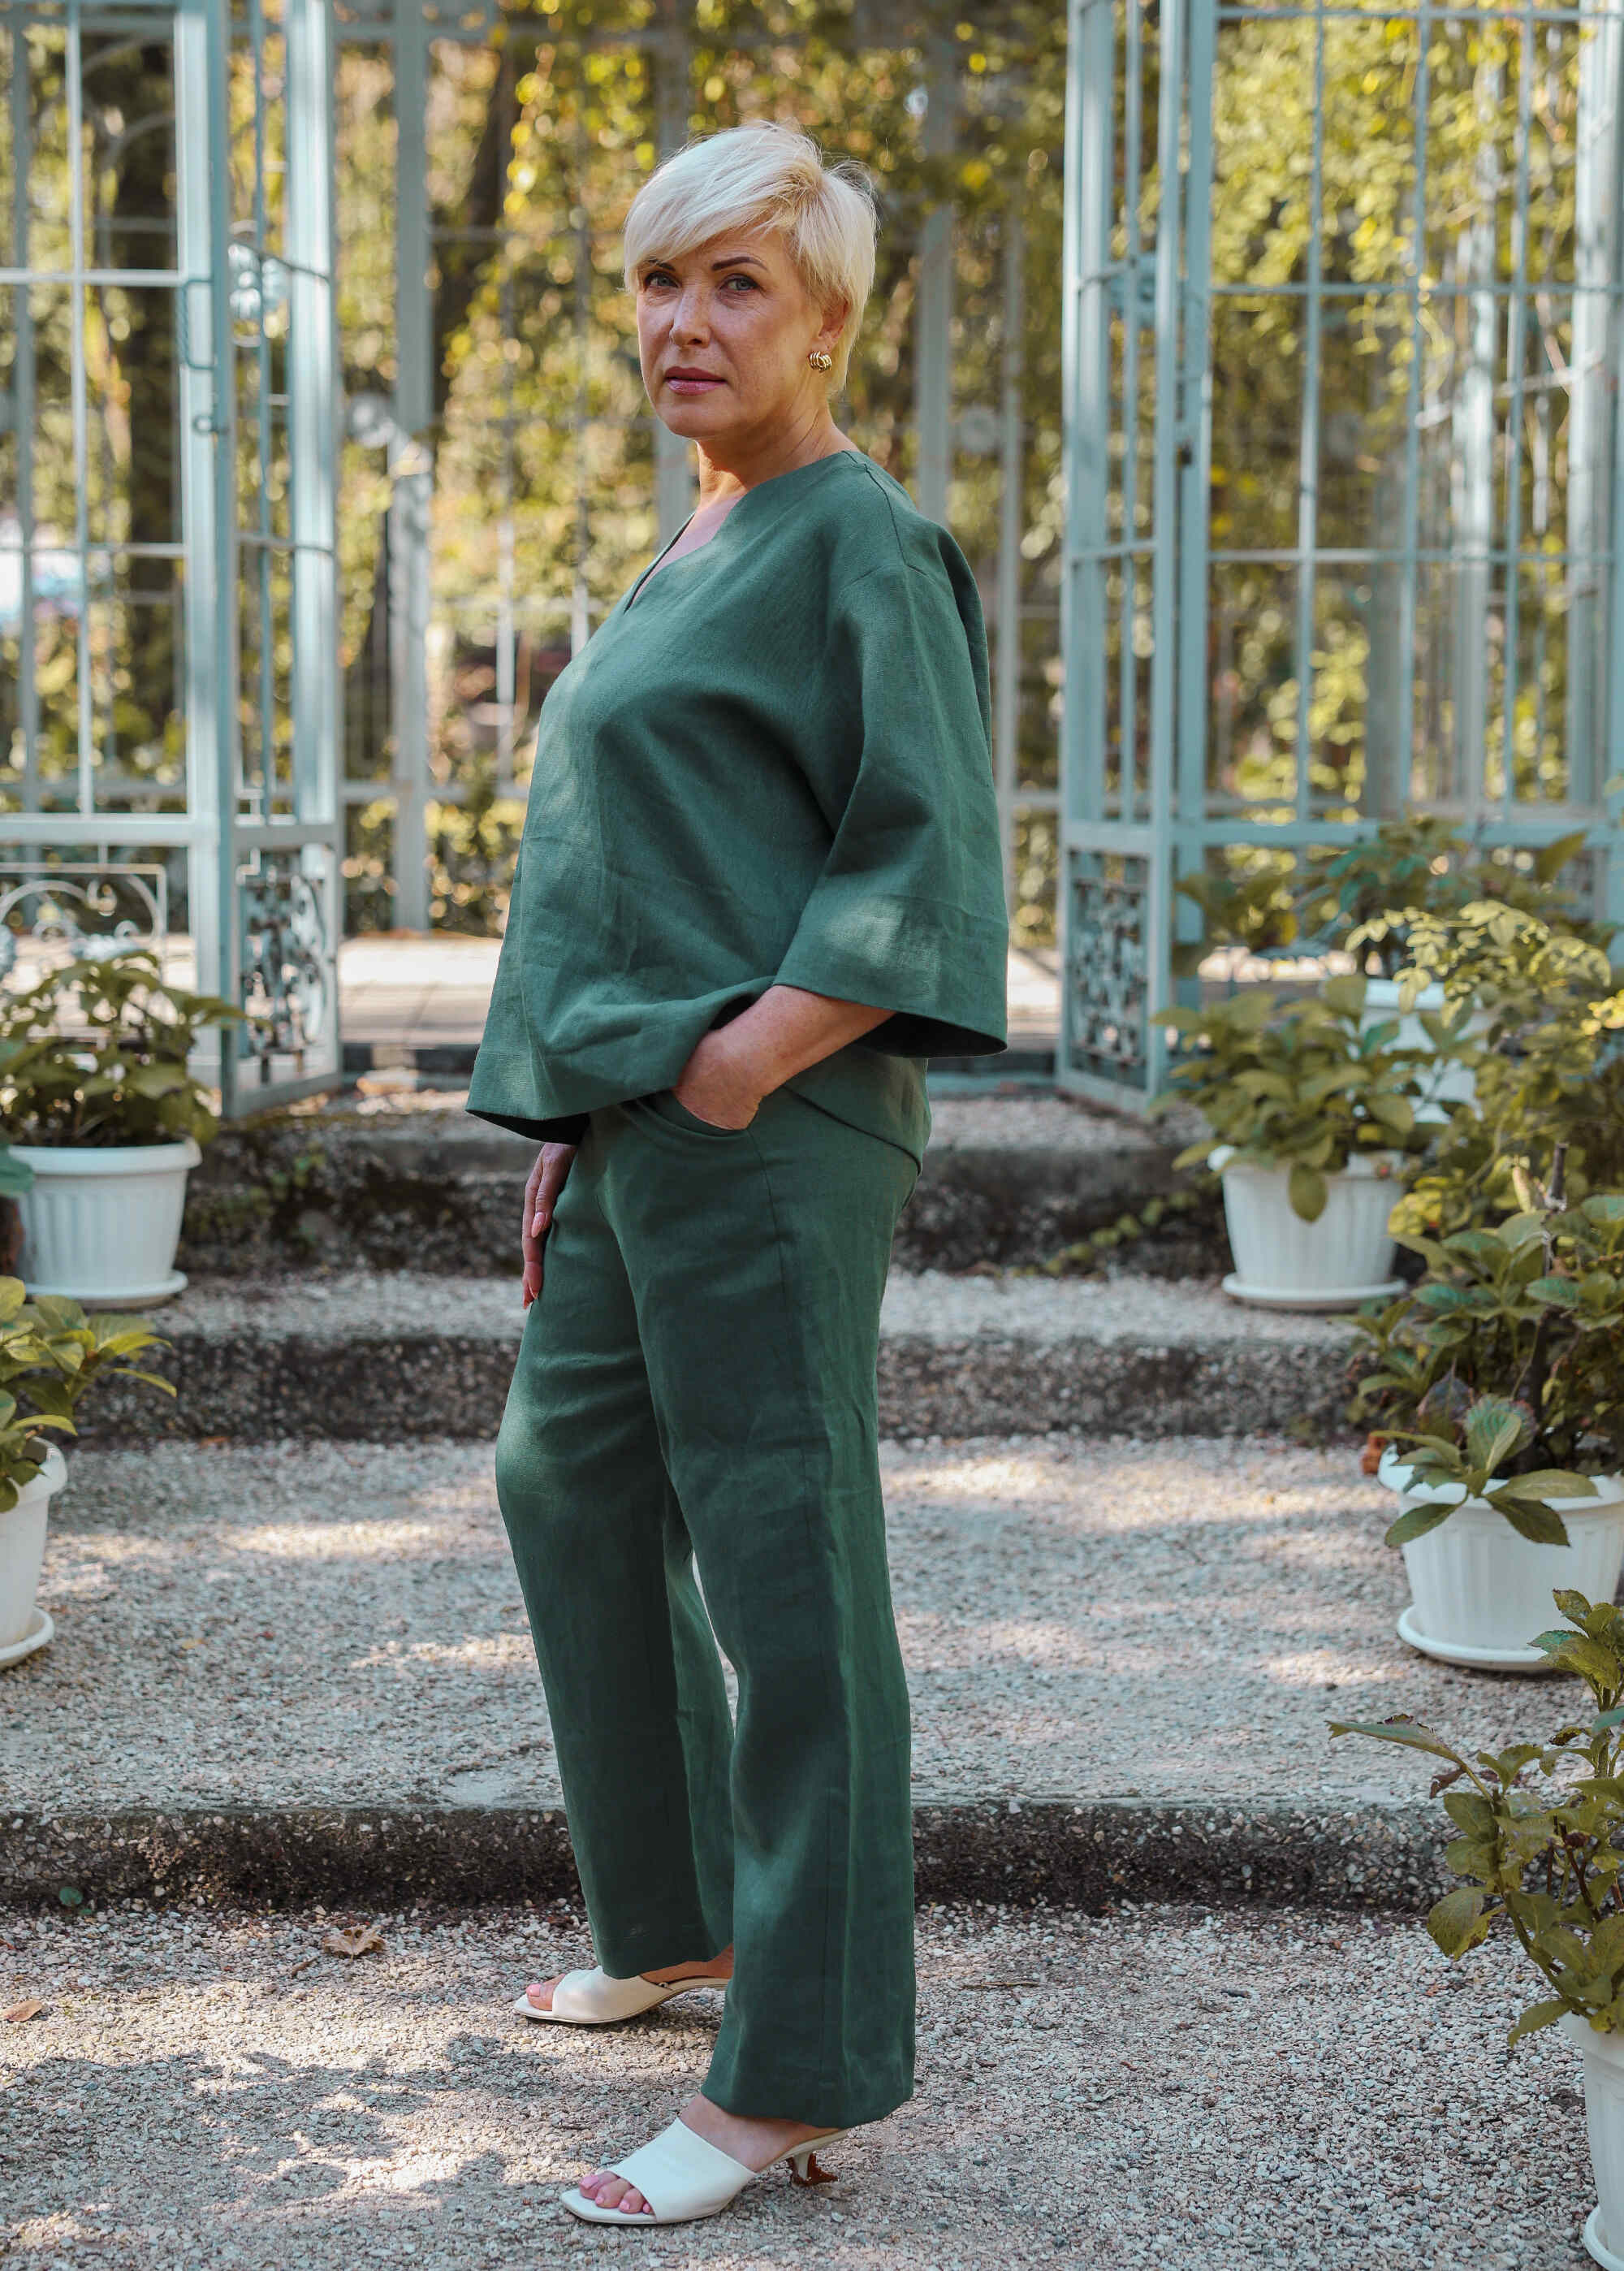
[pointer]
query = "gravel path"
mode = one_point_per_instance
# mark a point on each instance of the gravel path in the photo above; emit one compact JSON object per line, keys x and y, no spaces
{"x":935,"y":1306}
{"x":1128,"y":2094}
{"x":1025,"y":1121}
{"x":306,"y":1624}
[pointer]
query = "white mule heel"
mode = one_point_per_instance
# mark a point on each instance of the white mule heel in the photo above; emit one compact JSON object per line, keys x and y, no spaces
{"x":683,"y":2176}
{"x":592,"y":1999}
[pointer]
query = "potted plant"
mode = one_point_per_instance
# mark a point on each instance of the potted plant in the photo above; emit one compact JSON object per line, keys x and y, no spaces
{"x":1501,"y":1372}
{"x":51,"y":1356}
{"x":1550,"y":1072}
{"x":1362,"y":898}
{"x":98,"y":1099}
{"x":1312,"y":1114}
{"x":1374,"y":901}
{"x":1538,"y":1827}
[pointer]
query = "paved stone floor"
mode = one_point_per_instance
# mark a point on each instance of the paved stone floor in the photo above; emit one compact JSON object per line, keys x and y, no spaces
{"x":286,"y":1624}
{"x":420,"y":991}
{"x":1135,"y":2093}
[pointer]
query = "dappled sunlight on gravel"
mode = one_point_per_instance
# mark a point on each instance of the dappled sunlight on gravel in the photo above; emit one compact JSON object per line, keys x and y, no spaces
{"x":322,"y":1623}
{"x":1126,"y":2092}
{"x":385,"y":1537}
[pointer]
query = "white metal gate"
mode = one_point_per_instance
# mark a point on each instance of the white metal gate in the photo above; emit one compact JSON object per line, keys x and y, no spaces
{"x":168,"y":681}
{"x":1344,"y":473}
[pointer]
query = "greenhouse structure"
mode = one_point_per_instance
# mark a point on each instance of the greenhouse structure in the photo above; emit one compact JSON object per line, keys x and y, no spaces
{"x":1264,"y":359}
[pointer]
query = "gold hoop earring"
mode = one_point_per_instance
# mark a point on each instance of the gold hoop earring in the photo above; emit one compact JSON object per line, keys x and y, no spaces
{"x":819,"y":361}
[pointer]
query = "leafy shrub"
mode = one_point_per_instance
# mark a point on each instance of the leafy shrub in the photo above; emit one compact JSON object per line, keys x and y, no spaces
{"x":1549,"y":1058}
{"x":51,"y":1356}
{"x":1306,"y":1088}
{"x":1537,"y":1828}
{"x":97,"y":1053}
{"x":1366,"y":897}
{"x":1507,"y":1361}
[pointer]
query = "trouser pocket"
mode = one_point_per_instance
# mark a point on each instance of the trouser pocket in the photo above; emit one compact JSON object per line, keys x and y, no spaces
{"x":664,"y":1105}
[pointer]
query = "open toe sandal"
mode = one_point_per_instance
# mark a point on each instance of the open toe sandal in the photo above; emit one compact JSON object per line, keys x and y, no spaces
{"x":592,"y":1999}
{"x":684,"y":2177}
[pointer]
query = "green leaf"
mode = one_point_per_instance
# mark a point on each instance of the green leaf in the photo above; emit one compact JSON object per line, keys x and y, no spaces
{"x":1552,"y":1482}
{"x":1495,"y":1429}
{"x":1408,"y":1733}
{"x":1577,"y":1652}
{"x":1536,"y":1524}
{"x":1415,"y":1521}
{"x":1537,"y":2015}
{"x":1344,"y":994}
{"x":1520,"y":1228}
{"x":1393,"y":1112}
{"x":1307,"y":1193}
{"x":1458,"y":1922}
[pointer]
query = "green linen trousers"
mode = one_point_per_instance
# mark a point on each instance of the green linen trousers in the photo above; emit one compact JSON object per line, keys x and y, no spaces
{"x":696,"y":1391}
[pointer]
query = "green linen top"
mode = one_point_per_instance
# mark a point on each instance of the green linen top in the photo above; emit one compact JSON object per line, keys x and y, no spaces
{"x":773,"y":768}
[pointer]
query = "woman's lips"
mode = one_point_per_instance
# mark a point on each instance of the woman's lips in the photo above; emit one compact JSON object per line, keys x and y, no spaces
{"x":680,"y":385}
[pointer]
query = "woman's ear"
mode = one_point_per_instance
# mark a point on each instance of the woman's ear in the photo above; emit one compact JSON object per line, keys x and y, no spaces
{"x":834,"y":324}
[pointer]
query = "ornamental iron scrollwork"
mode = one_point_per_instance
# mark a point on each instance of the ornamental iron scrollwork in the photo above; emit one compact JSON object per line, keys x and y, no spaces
{"x":78,"y":911}
{"x":287,"y":987}
{"x":1107,"y":952}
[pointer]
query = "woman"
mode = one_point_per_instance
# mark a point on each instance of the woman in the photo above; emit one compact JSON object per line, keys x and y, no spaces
{"x":760,"y":882}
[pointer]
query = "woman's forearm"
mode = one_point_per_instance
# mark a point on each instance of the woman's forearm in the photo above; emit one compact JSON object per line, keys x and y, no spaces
{"x":737,"y":1064}
{"x":787,"y":1030}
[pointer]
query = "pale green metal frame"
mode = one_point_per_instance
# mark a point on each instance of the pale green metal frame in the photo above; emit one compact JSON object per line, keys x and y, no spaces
{"x":1138,"y":813}
{"x":260,"y":840}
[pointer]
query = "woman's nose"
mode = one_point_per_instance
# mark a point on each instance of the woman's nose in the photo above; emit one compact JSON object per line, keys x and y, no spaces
{"x":688,"y":317}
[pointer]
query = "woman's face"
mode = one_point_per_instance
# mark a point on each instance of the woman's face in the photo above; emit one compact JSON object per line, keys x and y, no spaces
{"x":735,"y":314}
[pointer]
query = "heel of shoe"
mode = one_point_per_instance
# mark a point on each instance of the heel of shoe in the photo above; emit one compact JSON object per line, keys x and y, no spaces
{"x":804,"y":2168}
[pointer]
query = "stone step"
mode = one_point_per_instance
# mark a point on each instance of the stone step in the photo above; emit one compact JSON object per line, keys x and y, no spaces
{"x":303,"y":1671}
{"x":377,"y":1356}
{"x":406,"y":1181}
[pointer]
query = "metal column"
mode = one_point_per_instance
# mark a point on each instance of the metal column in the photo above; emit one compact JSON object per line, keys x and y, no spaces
{"x":412,"y":477}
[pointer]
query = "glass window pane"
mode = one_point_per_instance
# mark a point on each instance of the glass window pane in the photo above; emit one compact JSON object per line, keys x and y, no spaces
{"x":129,"y":94}
{"x":1257,"y":379}
{"x":1251,"y":730}
{"x":132,"y":470}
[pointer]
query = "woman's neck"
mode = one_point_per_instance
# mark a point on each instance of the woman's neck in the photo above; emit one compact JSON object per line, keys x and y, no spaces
{"x":722,"y":476}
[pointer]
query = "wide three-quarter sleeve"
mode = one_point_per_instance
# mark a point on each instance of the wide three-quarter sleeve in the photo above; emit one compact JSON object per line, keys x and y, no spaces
{"x":908,"y":912}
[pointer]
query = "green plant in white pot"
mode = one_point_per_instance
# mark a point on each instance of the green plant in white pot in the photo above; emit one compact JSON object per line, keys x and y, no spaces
{"x":98,"y":1100}
{"x":1494,"y":1387}
{"x":52,"y":1356}
{"x":1538,"y":1849}
{"x":1313,"y":1116}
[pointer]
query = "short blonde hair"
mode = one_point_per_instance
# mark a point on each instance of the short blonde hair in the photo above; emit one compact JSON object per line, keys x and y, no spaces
{"x":765,"y":175}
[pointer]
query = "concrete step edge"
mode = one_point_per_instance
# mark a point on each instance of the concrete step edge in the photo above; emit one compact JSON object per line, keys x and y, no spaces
{"x":383,"y":1387}
{"x":1089,"y":1853}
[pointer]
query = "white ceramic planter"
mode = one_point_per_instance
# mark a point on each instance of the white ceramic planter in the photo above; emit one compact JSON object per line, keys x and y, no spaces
{"x":23,"y":1626}
{"x":1283,"y":1262}
{"x":102,"y":1225}
{"x":1479,"y":1593}
{"x":1604,"y":2119}
{"x":1458,"y":1084}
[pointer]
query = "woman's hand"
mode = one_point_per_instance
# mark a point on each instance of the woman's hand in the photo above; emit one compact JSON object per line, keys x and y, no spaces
{"x":737,"y":1064}
{"x":719,"y":1083}
{"x":546,"y":1180}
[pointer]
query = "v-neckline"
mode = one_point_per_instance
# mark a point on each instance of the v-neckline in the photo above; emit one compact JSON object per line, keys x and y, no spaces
{"x":812,"y":465}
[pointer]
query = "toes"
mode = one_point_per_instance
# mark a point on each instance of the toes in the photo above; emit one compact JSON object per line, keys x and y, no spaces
{"x":540,"y":1993}
{"x":610,"y":2191}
